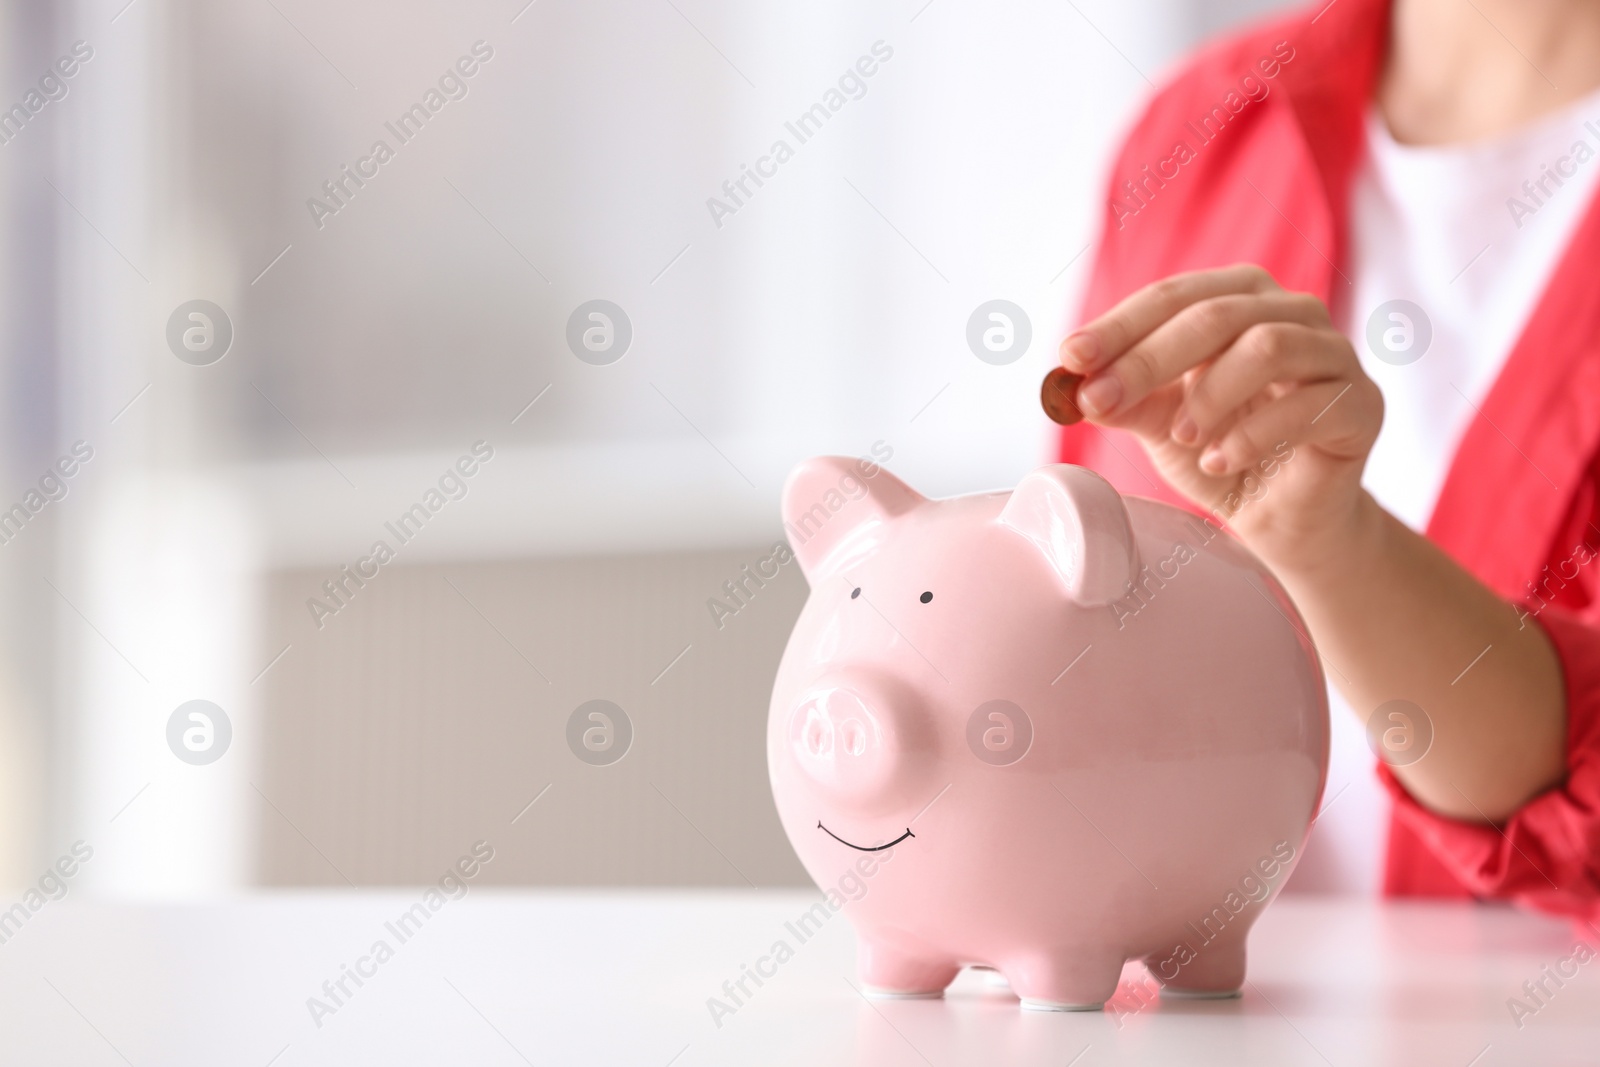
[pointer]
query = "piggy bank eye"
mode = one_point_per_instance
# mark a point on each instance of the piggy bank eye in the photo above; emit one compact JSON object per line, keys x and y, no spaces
{"x":926,"y":597}
{"x":855,"y":592}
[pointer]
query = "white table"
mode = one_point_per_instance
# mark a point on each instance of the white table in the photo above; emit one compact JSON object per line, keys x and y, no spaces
{"x":503,"y":977}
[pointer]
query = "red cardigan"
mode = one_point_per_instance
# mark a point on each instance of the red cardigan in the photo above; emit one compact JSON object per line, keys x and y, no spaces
{"x":1248,"y":155}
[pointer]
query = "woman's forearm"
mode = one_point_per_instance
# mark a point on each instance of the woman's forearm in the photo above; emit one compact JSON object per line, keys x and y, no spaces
{"x":1396,"y":618}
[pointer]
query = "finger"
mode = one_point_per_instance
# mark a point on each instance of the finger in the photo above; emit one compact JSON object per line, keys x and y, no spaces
{"x":1197,"y":333}
{"x":1311,"y":414}
{"x":1151,"y":418}
{"x":1262,"y":355}
{"x":1105,"y":338}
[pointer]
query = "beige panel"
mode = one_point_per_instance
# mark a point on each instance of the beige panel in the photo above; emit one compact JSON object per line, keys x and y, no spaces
{"x":432,"y":708}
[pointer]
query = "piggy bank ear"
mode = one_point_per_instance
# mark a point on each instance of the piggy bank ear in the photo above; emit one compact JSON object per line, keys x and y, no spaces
{"x":835,"y":511}
{"x":1074,"y":517}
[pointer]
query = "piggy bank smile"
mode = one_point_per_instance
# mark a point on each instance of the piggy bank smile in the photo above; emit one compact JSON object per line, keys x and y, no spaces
{"x":865,"y":848}
{"x":1060,"y":754}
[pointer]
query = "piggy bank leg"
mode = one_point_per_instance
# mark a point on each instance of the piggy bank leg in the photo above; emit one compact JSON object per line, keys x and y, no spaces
{"x":890,"y":973}
{"x":1214,"y":971}
{"x":1070,"y":980}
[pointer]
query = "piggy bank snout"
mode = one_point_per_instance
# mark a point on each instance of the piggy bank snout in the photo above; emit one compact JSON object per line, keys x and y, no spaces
{"x":847,"y":740}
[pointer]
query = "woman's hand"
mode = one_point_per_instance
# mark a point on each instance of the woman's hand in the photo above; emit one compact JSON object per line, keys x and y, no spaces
{"x":1253,"y":405}
{"x":1247,"y":400}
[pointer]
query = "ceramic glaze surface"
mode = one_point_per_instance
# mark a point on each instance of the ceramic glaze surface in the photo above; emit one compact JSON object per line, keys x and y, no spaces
{"x":1044,"y":731}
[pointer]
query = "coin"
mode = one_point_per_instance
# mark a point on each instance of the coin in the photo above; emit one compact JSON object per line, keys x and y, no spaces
{"x":1059,"y":394}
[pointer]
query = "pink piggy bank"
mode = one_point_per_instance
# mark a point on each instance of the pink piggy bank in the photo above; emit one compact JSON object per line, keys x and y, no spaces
{"x":1045,"y":732}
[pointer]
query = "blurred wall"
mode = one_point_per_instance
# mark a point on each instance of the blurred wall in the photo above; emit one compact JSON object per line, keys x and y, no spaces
{"x":28,"y":431}
{"x":436,"y":711}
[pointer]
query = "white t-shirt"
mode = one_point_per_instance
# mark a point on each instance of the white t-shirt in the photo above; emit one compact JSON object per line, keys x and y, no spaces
{"x":1467,"y":237}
